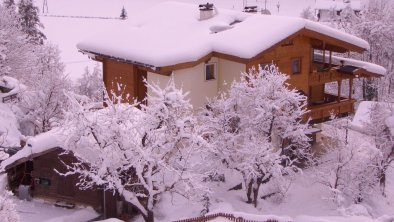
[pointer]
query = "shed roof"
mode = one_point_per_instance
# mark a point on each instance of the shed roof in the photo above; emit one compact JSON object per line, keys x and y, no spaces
{"x":171,"y":33}
{"x":35,"y":146}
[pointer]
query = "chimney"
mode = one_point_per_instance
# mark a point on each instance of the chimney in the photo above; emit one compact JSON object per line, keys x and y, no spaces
{"x":206,"y":11}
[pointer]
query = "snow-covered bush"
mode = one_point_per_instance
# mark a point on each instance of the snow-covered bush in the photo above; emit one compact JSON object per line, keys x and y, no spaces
{"x":139,"y":154}
{"x":7,"y":206}
{"x":256,"y":129}
{"x":379,"y":128}
{"x":346,"y":166}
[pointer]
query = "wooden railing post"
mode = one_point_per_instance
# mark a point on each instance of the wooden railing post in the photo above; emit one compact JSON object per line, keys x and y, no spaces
{"x":339,"y":90}
{"x":350,"y":88}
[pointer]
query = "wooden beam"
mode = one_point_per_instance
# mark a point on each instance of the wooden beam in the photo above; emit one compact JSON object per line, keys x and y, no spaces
{"x":339,"y":90}
{"x":332,"y":41}
{"x":350,"y":88}
{"x":324,"y":52}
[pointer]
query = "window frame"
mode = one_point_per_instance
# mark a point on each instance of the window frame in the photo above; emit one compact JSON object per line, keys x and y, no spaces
{"x":215,"y":71}
{"x":272,"y":62}
{"x":44,"y":182}
{"x":299,"y":65}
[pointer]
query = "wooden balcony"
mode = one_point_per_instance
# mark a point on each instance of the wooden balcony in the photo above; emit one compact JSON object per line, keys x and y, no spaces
{"x":323,"y":111}
{"x":321,"y":75}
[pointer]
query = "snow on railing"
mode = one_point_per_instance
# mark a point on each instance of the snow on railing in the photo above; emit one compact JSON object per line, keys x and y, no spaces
{"x":11,"y":98}
{"x":228,"y":216}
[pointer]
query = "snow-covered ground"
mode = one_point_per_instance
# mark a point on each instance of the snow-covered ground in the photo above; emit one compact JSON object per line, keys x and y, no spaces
{"x":67,"y":32}
{"x":42,"y":211}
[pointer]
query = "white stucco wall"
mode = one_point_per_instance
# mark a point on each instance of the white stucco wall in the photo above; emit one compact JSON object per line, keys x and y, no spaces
{"x":192,"y":80}
{"x":228,"y":72}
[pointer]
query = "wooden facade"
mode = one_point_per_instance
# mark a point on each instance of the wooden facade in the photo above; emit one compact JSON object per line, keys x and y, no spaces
{"x":310,"y":79}
{"x":39,"y":173}
{"x":125,"y":80}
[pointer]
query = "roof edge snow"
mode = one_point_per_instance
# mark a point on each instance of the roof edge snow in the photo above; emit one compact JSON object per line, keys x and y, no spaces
{"x":158,"y":44}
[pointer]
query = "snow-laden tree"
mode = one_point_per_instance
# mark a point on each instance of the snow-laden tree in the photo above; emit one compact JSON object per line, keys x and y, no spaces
{"x":308,"y":13}
{"x":30,"y":21}
{"x":345,"y":166}
{"x":9,"y":3}
{"x":374,"y":24}
{"x":384,"y":139}
{"x":16,"y":54}
{"x":140,"y":154}
{"x":123,"y":13}
{"x":256,"y":129}
{"x":36,"y":66}
{"x":44,"y":100}
{"x":91,"y":84}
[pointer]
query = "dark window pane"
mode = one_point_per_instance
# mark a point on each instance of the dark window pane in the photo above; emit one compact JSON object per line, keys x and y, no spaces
{"x":296,"y":66}
{"x":209,"y":71}
{"x":45,"y":182}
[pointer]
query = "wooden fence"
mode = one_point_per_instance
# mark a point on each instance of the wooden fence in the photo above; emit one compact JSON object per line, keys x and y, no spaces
{"x":81,"y":17}
{"x":229,"y":217}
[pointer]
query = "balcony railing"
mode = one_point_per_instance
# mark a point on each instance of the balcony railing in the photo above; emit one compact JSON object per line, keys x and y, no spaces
{"x":319,"y":112}
{"x":321,"y":75}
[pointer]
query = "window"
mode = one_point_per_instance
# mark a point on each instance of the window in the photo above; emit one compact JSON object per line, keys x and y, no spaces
{"x":44,"y":182}
{"x":265,"y":65}
{"x":296,"y":65}
{"x":268,"y":65}
{"x":210,"y":71}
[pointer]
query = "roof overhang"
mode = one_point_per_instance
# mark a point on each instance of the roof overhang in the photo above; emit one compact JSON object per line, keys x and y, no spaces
{"x":318,"y":41}
{"x":330,"y":43}
{"x":27,"y":158}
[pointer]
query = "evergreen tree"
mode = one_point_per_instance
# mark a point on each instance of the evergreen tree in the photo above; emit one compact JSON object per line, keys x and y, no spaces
{"x":9,"y":3}
{"x":123,"y":14}
{"x":30,"y":22}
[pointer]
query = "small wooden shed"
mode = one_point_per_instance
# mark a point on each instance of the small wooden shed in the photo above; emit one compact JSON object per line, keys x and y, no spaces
{"x":37,"y":170}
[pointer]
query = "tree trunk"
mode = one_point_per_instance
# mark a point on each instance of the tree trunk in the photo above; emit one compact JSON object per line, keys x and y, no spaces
{"x":382,"y":182}
{"x":249,"y":191}
{"x":149,"y":217}
{"x":256,"y":193}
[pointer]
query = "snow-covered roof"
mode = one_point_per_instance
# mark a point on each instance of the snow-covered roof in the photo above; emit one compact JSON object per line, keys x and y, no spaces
{"x":37,"y":145}
{"x":171,"y":33}
{"x":57,"y":138}
{"x":10,"y":83}
{"x":370,"y":67}
{"x":337,"y":5}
